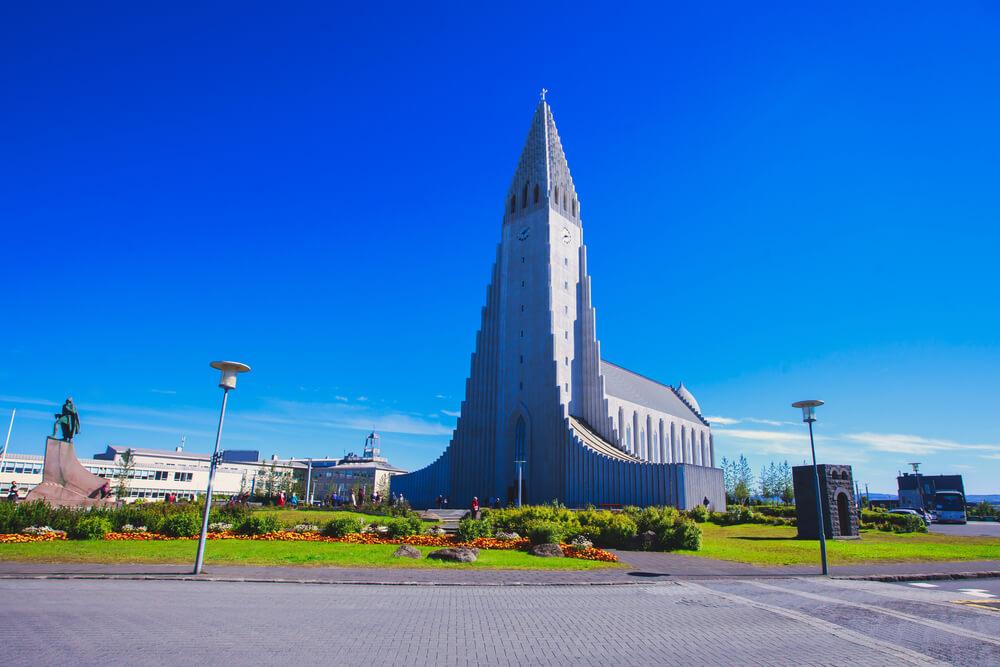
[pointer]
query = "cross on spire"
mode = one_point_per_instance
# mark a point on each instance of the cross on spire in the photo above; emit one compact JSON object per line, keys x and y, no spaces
{"x":544,"y":90}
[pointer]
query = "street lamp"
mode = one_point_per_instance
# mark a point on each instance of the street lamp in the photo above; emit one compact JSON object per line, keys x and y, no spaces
{"x":230,"y":369}
{"x":520,"y":484}
{"x":809,"y":416}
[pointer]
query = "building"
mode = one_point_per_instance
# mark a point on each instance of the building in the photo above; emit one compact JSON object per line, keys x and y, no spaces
{"x":334,"y":480}
{"x":917,"y":490}
{"x":158,"y":472}
{"x":586,"y":430}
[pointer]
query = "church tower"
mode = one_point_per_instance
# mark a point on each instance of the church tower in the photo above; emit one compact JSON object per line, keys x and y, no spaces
{"x":537,"y":390}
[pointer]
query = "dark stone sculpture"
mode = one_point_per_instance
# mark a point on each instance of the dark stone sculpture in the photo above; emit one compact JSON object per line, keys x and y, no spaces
{"x":68,"y":420}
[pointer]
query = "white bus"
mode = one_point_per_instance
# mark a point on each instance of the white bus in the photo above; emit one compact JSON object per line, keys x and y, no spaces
{"x":949,"y":507}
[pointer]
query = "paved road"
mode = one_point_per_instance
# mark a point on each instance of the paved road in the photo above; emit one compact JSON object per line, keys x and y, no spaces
{"x":724,"y":621}
{"x":972,"y":528}
{"x":977,"y":589}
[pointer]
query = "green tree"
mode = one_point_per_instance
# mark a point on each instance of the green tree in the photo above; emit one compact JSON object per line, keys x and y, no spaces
{"x":786,"y":488}
{"x":744,"y":480}
{"x":124,"y":471}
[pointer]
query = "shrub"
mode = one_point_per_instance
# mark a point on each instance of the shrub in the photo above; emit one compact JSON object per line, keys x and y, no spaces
{"x":470,"y":529}
{"x":544,"y":532}
{"x":698,"y":513}
{"x":91,"y":528}
{"x":401,"y":526}
{"x":259,"y":523}
{"x":684,"y":535}
{"x":181,"y":524}
{"x":897,"y":523}
{"x":342,"y":526}
{"x":607,"y":529}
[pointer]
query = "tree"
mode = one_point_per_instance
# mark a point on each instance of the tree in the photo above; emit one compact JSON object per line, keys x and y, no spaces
{"x":744,"y":480}
{"x":786,"y":488}
{"x":124,"y":470}
{"x":271,"y":480}
{"x":728,"y":478}
{"x":766,"y":483}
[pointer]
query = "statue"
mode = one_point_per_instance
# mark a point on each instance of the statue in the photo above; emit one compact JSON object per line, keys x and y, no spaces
{"x":68,"y":419}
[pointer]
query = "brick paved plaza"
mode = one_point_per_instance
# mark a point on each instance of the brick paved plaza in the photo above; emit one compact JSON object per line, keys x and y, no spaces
{"x":777,"y":621}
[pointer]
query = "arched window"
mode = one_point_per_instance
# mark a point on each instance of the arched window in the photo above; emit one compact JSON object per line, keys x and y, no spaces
{"x":520,"y":438}
{"x":524,"y":196}
{"x":564,"y":200}
{"x":536,"y":193}
{"x":576,"y":204}
{"x":555,"y":194}
{"x":513,"y":203}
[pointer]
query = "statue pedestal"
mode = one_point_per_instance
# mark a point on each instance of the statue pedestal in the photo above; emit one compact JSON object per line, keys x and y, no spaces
{"x":65,"y":482}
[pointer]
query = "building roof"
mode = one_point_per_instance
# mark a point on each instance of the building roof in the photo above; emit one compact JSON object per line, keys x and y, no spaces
{"x":114,"y":450}
{"x":543,"y":164}
{"x":639,"y":389}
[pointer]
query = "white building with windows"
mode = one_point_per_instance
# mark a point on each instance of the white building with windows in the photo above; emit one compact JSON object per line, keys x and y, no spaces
{"x":160,"y":472}
{"x":585,"y":430}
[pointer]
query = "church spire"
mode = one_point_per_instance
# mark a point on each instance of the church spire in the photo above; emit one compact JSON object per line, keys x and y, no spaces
{"x":542,"y":176}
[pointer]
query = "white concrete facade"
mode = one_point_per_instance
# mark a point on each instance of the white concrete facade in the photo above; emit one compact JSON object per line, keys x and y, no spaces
{"x":539,"y":391}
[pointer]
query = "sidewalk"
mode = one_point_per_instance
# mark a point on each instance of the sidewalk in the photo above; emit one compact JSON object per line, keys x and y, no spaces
{"x":642,"y":568}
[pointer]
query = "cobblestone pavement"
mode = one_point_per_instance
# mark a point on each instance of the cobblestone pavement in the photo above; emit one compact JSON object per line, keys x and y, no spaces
{"x":774,"y":621}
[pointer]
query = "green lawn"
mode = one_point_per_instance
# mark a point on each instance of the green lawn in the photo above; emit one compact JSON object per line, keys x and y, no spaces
{"x":290,"y":517}
{"x":776,"y":545}
{"x":248,"y":552}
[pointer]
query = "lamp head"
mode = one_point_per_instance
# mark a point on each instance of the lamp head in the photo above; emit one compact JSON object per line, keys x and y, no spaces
{"x":808,"y":409}
{"x":230,"y":369}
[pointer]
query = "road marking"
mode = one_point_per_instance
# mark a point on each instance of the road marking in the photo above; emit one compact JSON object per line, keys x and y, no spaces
{"x":920,"y":584}
{"x":962,"y":632}
{"x":977,"y":592}
{"x":900,"y":653}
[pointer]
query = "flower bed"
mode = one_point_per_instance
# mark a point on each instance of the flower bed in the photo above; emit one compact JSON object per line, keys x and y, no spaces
{"x":22,"y":538}
{"x":520,"y":544}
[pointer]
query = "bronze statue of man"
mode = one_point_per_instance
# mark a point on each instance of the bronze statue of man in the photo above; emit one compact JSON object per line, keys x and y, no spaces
{"x":68,"y":420}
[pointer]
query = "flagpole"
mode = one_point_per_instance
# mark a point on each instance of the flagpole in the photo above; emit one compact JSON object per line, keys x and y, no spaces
{"x":3,"y":457}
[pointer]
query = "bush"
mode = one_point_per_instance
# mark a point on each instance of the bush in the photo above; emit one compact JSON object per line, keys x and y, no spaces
{"x":342,"y":526}
{"x":91,"y":528}
{"x":698,"y":513}
{"x":470,"y":529}
{"x":181,"y":524}
{"x":545,"y":532}
{"x":607,"y":529}
{"x":682,"y":535}
{"x":259,"y":523}
{"x":401,"y":526}
{"x":897,"y":523}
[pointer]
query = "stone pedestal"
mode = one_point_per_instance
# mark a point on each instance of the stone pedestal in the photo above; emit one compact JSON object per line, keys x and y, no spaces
{"x":836,"y":491}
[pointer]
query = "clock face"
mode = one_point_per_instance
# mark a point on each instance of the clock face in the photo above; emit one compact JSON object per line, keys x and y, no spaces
{"x":566,"y":236}
{"x":523,"y":234}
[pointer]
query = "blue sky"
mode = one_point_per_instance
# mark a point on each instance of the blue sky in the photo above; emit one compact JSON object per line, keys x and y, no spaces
{"x":780,"y":202}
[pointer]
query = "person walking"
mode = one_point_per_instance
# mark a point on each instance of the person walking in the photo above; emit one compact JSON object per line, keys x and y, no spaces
{"x":475,"y":507}
{"x":12,"y":494}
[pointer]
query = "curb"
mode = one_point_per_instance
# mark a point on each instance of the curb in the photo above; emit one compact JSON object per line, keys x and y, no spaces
{"x":990,"y":574}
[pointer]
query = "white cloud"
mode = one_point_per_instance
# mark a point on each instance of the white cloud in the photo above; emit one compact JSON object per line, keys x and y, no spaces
{"x":452,"y":413}
{"x":722,"y":421}
{"x":362,"y":398}
{"x":440,"y":396}
{"x":340,"y":398}
{"x":27,"y":401}
{"x":769,"y":422}
{"x":760,"y":435}
{"x":163,"y":391}
{"x":912,"y":444}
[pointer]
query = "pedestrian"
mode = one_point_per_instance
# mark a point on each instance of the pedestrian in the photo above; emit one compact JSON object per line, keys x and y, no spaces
{"x":446,"y":502}
{"x":475,"y":507}
{"x":354,"y":500}
{"x":295,"y":501}
{"x":106,"y":490}
{"x":439,"y":501}
{"x":12,"y":494}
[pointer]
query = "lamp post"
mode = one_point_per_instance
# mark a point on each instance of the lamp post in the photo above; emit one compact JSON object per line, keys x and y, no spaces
{"x":809,"y":416}
{"x":230,"y":369}
{"x":520,"y":483}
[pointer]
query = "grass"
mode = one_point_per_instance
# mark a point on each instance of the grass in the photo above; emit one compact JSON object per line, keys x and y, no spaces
{"x":248,"y":552}
{"x":290,"y":517}
{"x":776,"y":545}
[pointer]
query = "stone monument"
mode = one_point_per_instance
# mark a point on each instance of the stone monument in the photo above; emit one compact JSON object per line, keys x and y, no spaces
{"x":836,"y":492}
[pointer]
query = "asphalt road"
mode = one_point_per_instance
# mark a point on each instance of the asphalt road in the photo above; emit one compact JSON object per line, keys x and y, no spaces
{"x":775,"y":621}
{"x":972,"y":589}
{"x":972,"y":528}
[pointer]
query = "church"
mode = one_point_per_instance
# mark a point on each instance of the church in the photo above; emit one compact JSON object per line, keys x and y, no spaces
{"x":544,"y":413}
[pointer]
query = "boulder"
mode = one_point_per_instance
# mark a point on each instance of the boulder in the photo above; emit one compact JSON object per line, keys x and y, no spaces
{"x":406,"y":551}
{"x":547,"y":551}
{"x":646,"y":540}
{"x":455,"y":554}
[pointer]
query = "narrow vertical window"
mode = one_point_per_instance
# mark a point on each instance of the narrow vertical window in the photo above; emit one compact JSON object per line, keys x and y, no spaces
{"x":524,"y":196}
{"x":536,"y":193}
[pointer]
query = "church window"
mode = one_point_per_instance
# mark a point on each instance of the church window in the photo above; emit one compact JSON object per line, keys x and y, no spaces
{"x":536,"y":193}
{"x":522,"y":260}
{"x":522,"y":358}
{"x":520,"y":385}
{"x":575,"y":205}
{"x":567,"y":361}
{"x":524,"y":196}
{"x":565,"y":261}
{"x":566,"y":335}
{"x":520,"y":438}
{"x":555,"y":194}
{"x":522,"y":283}
{"x":566,"y":310}
{"x":565,"y":284}
{"x":522,"y":307}
{"x":522,"y":333}
{"x":567,"y":387}
{"x":513,"y":203}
